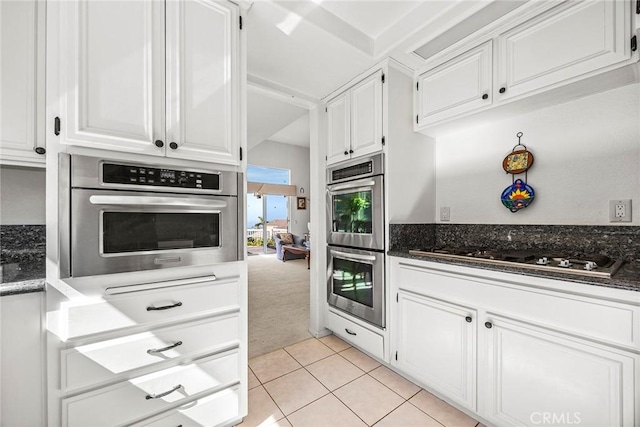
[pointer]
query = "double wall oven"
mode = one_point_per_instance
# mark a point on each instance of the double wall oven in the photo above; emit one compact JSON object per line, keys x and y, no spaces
{"x":355,"y":237}
{"x":119,"y":216}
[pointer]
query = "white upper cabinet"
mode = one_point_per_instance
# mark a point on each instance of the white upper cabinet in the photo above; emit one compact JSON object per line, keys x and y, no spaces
{"x":562,"y":43}
{"x":338,"y":129}
{"x":202,"y":80}
{"x":354,"y":120}
{"x":458,"y":86}
{"x":150,"y":77}
{"x":22,"y":25}
{"x":540,"y":47}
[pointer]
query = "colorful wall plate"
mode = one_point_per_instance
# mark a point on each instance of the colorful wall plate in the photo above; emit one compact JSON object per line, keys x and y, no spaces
{"x":517,"y":196}
{"x":517,"y":162}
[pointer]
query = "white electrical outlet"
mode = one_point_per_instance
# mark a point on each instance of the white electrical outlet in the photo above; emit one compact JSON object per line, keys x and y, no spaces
{"x":445,"y":213}
{"x":620,"y":210}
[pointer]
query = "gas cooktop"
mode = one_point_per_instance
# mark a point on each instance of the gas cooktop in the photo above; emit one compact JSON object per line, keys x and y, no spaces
{"x":584,"y":265}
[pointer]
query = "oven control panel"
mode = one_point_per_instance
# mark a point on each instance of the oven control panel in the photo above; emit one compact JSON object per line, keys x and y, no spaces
{"x":158,"y":177}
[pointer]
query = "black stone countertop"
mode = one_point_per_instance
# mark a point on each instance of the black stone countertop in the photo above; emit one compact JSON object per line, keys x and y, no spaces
{"x":24,"y":287}
{"x":627,"y":278}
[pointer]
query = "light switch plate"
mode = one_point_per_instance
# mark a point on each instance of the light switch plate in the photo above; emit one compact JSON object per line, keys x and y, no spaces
{"x":445,"y":213}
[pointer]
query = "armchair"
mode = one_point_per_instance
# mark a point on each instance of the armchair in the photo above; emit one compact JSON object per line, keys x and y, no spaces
{"x":297,"y":241}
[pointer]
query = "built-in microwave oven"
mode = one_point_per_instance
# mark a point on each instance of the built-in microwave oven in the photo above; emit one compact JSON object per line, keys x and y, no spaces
{"x":118,"y":216}
{"x":355,"y":203}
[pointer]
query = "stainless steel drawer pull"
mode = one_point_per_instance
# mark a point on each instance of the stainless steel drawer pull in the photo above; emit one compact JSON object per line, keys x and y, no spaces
{"x":160,"y":350}
{"x":164,"y":307}
{"x":349,"y":332}
{"x":166,"y":393}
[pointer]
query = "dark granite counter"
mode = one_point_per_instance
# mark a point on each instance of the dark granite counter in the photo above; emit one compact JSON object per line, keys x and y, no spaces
{"x":627,"y":278}
{"x":24,"y":287}
{"x":22,"y":259}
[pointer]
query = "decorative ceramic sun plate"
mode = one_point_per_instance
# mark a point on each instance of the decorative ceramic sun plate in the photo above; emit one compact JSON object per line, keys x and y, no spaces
{"x":517,"y":162}
{"x":517,"y":196}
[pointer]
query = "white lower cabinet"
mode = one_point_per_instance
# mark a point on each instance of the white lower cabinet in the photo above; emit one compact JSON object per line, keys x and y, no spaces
{"x":534,"y":375}
{"x":143,"y":396}
{"x":355,"y":333}
{"x":167,"y":353}
{"x":521,"y":343}
{"x":427,"y":324}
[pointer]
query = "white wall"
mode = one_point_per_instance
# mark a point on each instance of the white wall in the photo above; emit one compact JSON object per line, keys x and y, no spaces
{"x":587,"y":152}
{"x":296,"y":159}
{"x":22,"y":196}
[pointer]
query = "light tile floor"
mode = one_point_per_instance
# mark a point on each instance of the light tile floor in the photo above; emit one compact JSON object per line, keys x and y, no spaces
{"x":327,"y":383}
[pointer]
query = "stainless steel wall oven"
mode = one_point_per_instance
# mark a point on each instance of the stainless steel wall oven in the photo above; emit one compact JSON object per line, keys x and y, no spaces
{"x":118,"y":216}
{"x":355,"y":237}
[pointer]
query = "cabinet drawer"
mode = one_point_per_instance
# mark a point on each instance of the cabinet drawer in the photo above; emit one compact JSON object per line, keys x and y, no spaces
{"x":147,"y":306}
{"x":511,"y":296}
{"x":143,"y":396}
{"x":92,"y":363}
{"x":357,"y":335}
{"x":213,"y":410}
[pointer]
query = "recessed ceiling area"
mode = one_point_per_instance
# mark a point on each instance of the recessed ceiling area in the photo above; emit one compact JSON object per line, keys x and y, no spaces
{"x":310,"y":48}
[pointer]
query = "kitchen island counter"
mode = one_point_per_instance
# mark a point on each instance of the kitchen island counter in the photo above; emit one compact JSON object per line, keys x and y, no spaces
{"x":627,"y":278}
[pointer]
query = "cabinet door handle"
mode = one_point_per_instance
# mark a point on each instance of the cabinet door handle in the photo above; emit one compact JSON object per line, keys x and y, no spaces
{"x":468,"y":319}
{"x":158,"y":396}
{"x":502,"y":90}
{"x":488,"y":325}
{"x":40,"y":150}
{"x":173,"y":145}
{"x":346,"y":153}
{"x":351,"y":151}
{"x":485,"y":96}
{"x":349,"y":332}
{"x":164,"y":307}
{"x":159,"y":143}
{"x":160,"y":350}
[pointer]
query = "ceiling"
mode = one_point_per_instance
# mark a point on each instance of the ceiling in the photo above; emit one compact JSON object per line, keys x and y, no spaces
{"x":302,"y":50}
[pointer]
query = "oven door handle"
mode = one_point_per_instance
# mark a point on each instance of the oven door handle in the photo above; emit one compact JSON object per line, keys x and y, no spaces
{"x":352,"y":185}
{"x":353,"y":257}
{"x":157,"y":201}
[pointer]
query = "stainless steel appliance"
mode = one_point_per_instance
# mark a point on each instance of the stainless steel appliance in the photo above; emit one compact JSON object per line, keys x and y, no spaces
{"x":118,"y":216}
{"x":356,"y":283}
{"x":540,"y":260}
{"x":355,"y":203}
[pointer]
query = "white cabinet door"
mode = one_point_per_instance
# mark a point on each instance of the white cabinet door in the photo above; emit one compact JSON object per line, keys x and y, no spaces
{"x":437,"y":345}
{"x":338,"y":135}
{"x":111,"y":67}
{"x":366,"y":116}
{"x":22,"y":82}
{"x":458,"y":86}
{"x":569,"y":40}
{"x":536,"y":377}
{"x":202,"y":80}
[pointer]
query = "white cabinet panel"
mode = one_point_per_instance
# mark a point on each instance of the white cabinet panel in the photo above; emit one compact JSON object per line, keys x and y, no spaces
{"x":359,"y":336}
{"x":205,"y":412}
{"x":21,"y":82}
{"x":151,"y":393}
{"x":202,"y":80}
{"x":113,"y":72}
{"x":339,"y":134}
{"x":460,"y":85}
{"x":562,"y":43}
{"x":366,"y":116}
{"x":533,"y":374}
{"x":97,"y":362}
{"x":437,"y":345}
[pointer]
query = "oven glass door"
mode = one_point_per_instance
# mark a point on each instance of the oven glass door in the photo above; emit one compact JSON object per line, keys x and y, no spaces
{"x":355,"y":213}
{"x":126,"y":231}
{"x":356,"y":283}
{"x":120,"y":231}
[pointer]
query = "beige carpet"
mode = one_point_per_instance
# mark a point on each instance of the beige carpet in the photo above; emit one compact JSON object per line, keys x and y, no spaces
{"x":278,"y":303}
